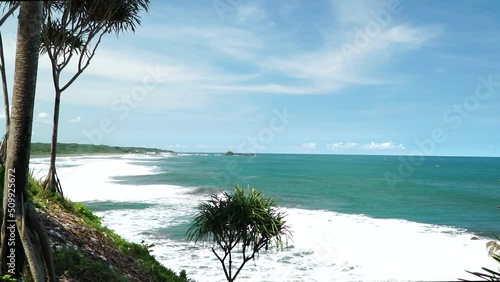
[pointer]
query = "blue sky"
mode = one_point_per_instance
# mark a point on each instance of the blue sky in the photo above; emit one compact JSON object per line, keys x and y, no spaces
{"x":337,"y":77}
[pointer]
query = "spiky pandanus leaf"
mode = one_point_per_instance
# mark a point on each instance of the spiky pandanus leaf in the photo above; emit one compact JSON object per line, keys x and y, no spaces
{"x":493,"y":249}
{"x":243,"y":218}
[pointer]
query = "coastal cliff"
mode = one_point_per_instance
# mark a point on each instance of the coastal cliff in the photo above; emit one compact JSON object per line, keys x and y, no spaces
{"x":85,"y":250}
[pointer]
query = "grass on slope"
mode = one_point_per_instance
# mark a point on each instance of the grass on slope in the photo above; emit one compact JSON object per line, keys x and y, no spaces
{"x":74,"y":264}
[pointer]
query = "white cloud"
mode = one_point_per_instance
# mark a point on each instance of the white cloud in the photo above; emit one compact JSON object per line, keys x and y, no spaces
{"x":309,"y":146}
{"x":344,"y":59}
{"x":238,"y":43}
{"x":264,"y":88}
{"x":382,"y":146}
{"x":127,"y":67}
{"x":368,"y":146}
{"x":342,"y":145}
{"x":335,"y":67}
{"x":210,"y":148}
{"x":195,"y":60}
{"x":415,"y":36}
{"x":76,"y":119}
{"x":43,"y":117}
{"x":322,"y":70}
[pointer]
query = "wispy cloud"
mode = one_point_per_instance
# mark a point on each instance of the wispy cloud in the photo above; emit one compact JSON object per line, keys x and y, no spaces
{"x":43,"y":117}
{"x":337,"y":146}
{"x":309,"y":146}
{"x":358,"y":58}
{"x":208,"y":61}
{"x":76,"y":119}
{"x":237,"y":43}
{"x":349,"y":56}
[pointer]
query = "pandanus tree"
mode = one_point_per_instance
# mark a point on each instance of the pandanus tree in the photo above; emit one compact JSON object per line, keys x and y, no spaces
{"x":239,"y":224}
{"x":23,"y":237}
{"x":73,"y":31}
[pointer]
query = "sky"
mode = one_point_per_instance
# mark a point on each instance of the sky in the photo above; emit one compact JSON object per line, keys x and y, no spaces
{"x":318,"y":77}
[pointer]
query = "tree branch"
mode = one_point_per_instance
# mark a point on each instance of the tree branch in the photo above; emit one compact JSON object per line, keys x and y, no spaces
{"x":241,"y":266}
{"x":230,"y":264}
{"x":222,"y":262}
{"x":11,"y":10}
{"x":82,"y":69}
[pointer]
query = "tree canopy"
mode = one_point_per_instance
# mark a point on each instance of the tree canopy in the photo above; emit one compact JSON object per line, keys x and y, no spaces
{"x":243,"y":221}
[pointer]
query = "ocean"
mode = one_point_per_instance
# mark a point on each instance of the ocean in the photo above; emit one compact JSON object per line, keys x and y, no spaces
{"x":353,"y":218}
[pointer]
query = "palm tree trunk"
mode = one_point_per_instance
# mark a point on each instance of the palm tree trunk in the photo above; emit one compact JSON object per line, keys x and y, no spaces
{"x":52,"y":182}
{"x":16,"y":234}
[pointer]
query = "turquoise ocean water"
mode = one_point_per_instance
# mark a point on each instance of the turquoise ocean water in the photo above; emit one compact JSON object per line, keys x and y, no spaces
{"x":456,"y":191}
{"x":353,"y":218}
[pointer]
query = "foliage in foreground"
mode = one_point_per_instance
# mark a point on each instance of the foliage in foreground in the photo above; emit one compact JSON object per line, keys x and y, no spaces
{"x":73,"y":263}
{"x":241,"y":222}
{"x":82,"y":266}
{"x":488,"y":274}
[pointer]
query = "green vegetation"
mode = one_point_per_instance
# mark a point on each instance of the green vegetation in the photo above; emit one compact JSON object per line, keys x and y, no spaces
{"x":243,"y":221}
{"x":488,"y":274}
{"x":7,"y":277}
{"x":73,"y":148}
{"x":73,"y":262}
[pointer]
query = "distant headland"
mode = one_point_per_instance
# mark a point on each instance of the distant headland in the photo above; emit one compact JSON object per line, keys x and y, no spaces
{"x":43,"y":149}
{"x":230,"y":153}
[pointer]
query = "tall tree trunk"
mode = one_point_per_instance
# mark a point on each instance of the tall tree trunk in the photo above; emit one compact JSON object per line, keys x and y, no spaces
{"x":3,"y":146}
{"x":18,"y":233}
{"x":52,"y":182}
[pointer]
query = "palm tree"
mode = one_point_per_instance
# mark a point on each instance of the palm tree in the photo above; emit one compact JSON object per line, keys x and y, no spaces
{"x":242,"y":219}
{"x":23,"y":237}
{"x":75,"y":28}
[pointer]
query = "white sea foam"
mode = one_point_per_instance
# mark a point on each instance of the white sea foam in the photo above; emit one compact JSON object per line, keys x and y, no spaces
{"x":326,"y":246}
{"x":90,"y":179}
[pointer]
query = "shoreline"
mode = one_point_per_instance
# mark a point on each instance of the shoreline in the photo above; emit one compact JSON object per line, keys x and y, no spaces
{"x":315,"y":232}
{"x":98,"y":154}
{"x":489,"y":235}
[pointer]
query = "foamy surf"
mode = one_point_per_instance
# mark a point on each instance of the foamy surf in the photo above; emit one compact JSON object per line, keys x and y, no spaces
{"x":326,"y":246}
